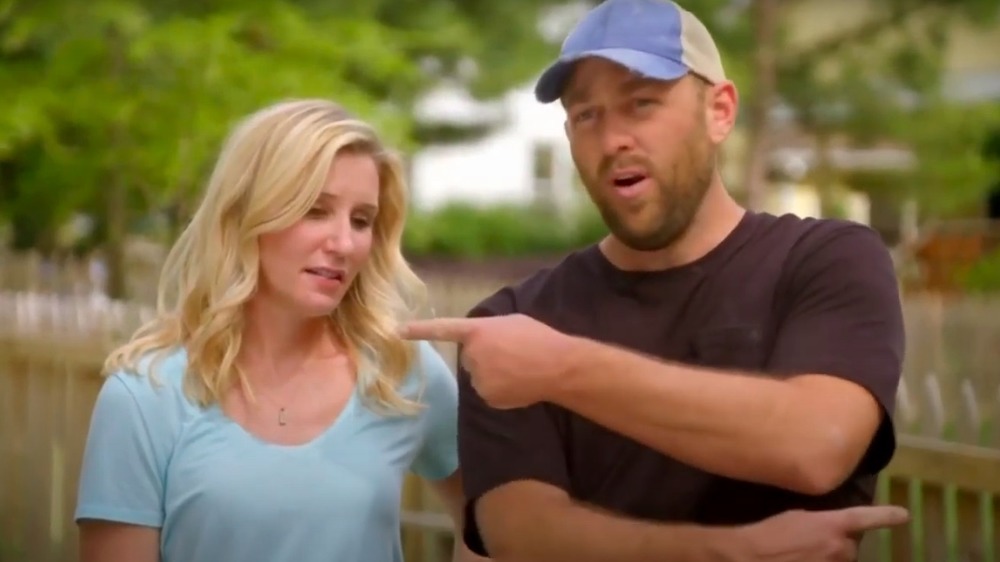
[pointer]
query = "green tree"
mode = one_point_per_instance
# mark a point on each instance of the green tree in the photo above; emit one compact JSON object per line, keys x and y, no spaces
{"x":880,"y":83}
{"x":119,"y":105}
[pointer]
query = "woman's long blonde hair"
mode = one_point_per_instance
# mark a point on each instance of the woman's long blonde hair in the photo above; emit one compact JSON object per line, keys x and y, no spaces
{"x":271,"y":170}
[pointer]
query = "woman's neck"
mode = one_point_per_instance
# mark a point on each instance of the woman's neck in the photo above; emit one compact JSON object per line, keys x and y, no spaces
{"x":276,"y":343}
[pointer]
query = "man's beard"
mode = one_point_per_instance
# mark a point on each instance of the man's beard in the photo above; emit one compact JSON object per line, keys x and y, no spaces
{"x":679,"y":197}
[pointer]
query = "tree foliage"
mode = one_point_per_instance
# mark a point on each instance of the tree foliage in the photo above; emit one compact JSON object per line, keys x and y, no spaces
{"x":118,"y":107}
{"x":882,"y":83}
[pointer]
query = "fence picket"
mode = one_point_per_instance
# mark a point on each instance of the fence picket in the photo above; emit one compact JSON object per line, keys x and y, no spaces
{"x":949,"y":390}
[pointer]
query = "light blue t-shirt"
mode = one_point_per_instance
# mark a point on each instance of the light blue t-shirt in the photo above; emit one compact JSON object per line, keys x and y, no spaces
{"x":219,"y":494}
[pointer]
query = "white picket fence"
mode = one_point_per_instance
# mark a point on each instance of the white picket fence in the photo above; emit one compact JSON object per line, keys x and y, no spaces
{"x":51,"y":345}
{"x":950,"y":388}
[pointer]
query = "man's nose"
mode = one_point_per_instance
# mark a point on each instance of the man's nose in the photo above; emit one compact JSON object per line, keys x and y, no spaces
{"x":616,"y":135}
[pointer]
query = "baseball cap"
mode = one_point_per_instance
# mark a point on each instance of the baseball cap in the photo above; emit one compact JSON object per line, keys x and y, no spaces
{"x":653,"y":38}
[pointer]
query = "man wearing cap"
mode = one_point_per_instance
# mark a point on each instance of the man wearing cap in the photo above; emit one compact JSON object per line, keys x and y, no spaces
{"x":683,"y":389}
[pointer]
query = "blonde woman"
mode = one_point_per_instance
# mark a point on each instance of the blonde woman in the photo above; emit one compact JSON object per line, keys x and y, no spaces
{"x":270,"y":411}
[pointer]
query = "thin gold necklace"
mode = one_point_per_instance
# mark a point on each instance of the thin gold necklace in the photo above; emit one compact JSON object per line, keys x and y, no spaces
{"x":282,"y":410}
{"x":282,"y":419}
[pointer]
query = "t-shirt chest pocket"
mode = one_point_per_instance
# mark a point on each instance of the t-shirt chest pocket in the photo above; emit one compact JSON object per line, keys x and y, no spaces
{"x":731,"y":347}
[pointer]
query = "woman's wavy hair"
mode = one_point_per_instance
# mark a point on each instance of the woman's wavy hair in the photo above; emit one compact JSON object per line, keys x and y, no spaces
{"x":271,"y":170}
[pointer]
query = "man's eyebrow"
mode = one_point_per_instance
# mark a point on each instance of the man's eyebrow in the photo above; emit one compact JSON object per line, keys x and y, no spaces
{"x":637,"y":83}
{"x":578,"y":94}
{"x":574,"y":95}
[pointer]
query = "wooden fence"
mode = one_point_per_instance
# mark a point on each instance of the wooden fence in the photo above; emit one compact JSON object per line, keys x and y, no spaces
{"x":947,"y":469}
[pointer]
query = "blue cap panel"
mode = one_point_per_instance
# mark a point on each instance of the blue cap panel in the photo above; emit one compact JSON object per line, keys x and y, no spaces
{"x":651,"y":26}
{"x":642,"y":35}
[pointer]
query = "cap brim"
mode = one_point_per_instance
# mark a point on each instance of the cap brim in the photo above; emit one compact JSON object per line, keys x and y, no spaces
{"x":550,"y":84}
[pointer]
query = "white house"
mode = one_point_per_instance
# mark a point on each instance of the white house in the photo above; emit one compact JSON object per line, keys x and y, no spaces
{"x":526,"y":158}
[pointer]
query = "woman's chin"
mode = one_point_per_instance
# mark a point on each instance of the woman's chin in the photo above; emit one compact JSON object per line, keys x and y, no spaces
{"x":317,"y":305}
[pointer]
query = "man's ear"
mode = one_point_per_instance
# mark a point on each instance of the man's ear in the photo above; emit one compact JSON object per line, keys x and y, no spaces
{"x":722,"y":105}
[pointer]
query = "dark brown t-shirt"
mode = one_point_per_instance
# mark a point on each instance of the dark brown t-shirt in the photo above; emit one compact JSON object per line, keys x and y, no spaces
{"x":781,"y":295}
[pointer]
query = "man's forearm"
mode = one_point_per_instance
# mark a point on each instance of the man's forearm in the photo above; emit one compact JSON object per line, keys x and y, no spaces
{"x":741,"y":426}
{"x":576,"y":533}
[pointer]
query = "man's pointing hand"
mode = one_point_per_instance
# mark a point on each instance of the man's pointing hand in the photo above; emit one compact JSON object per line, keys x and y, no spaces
{"x":513,"y":361}
{"x":441,"y":329}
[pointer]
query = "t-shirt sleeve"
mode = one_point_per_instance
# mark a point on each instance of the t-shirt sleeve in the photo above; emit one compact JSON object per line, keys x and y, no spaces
{"x":121,"y":477}
{"x":501,"y":446}
{"x":845,"y":319}
{"x":438,"y":457}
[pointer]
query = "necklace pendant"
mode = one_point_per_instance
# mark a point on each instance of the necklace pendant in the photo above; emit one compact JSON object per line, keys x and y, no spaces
{"x":281,"y":417}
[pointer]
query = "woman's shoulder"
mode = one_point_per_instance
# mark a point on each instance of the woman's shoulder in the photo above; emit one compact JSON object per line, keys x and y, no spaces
{"x":155,"y":381}
{"x":428,"y":382}
{"x":432,"y":378}
{"x":429,"y":366}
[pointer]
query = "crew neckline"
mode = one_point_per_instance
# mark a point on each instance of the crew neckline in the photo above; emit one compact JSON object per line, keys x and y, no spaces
{"x":734,"y":240}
